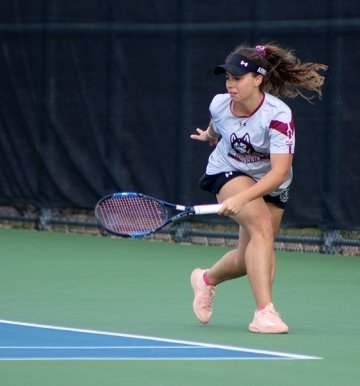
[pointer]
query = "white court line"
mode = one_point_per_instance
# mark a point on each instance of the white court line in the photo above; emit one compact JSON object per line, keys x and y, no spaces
{"x":281,"y":355}
{"x":95,"y":347}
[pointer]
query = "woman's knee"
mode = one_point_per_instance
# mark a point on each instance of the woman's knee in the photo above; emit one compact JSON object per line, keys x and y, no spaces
{"x":261,"y":226}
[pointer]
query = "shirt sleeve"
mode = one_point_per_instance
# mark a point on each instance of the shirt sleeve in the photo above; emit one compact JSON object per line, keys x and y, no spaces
{"x":282,"y":134}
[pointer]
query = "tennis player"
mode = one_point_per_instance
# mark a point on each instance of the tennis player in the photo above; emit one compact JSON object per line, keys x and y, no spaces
{"x":250,"y":169}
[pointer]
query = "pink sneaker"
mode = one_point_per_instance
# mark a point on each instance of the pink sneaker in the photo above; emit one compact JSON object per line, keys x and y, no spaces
{"x":203,"y":296}
{"x":268,"y":321}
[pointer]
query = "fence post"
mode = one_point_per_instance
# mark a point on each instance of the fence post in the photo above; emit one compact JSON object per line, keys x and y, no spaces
{"x":45,"y":218}
{"x":330,"y":239}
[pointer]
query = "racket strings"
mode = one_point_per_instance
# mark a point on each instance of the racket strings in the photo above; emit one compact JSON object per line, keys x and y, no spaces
{"x":131,"y":215}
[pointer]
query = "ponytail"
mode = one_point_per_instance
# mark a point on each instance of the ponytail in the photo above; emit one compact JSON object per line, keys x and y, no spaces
{"x":286,"y":75}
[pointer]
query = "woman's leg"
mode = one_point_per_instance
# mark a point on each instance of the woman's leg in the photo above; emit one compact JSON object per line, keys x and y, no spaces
{"x":233,"y":262}
{"x":277,"y":214}
{"x":254,"y":255}
{"x":259,"y":224}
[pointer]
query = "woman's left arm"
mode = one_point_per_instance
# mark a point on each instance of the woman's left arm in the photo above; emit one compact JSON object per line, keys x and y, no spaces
{"x":279,"y":172}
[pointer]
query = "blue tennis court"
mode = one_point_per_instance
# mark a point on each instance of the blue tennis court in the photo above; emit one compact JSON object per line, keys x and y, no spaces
{"x":25,"y":341}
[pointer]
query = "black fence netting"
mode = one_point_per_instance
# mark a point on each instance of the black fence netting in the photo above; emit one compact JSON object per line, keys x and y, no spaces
{"x":100,"y":96}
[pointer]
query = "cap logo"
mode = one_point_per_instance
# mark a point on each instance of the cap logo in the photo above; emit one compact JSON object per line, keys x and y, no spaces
{"x":261,"y":71}
{"x":245,"y":64}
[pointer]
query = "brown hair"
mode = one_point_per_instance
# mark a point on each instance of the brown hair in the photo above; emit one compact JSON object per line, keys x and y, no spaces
{"x":286,"y":74}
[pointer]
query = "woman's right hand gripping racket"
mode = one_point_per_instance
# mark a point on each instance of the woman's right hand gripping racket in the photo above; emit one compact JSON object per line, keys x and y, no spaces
{"x":137,"y":215}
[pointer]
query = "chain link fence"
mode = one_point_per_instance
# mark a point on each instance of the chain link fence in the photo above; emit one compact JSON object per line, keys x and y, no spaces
{"x":210,"y":231}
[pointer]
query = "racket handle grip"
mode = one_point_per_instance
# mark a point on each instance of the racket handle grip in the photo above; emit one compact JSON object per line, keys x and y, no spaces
{"x":207,"y":209}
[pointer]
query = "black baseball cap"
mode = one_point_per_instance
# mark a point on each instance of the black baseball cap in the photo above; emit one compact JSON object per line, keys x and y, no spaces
{"x":237,"y":64}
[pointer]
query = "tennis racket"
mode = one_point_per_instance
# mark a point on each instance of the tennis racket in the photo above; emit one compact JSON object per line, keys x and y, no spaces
{"x":137,"y":215}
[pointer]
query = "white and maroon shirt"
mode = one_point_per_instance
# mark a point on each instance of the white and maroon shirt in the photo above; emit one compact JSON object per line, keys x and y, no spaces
{"x":247,"y":142}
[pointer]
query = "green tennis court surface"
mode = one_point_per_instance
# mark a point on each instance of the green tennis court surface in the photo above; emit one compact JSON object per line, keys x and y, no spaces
{"x":139,"y":287}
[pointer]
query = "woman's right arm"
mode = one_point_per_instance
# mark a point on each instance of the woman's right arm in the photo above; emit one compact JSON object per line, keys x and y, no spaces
{"x":208,"y":135}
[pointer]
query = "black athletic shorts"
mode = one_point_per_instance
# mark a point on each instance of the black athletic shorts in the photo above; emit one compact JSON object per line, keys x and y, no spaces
{"x":213,"y":183}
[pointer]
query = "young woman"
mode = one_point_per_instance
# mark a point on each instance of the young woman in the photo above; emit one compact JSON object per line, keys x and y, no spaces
{"x":250,"y":169}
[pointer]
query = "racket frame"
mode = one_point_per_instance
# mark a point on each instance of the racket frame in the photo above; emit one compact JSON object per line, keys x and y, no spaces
{"x":184,"y":211}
